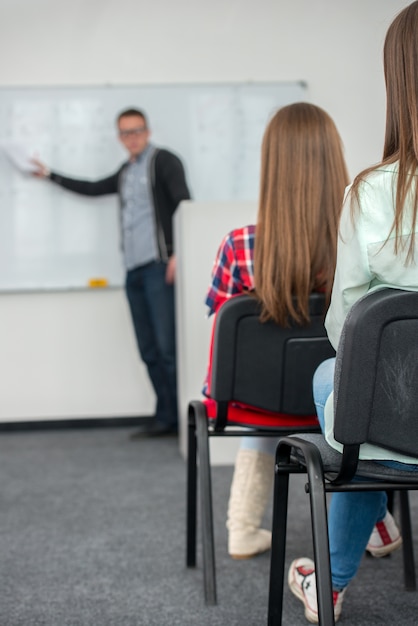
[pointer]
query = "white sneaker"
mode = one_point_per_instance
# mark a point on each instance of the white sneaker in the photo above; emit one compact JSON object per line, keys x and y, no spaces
{"x":385,"y":537}
{"x":302,"y":583}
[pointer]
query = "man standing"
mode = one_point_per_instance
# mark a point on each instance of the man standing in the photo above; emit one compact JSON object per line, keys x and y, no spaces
{"x":150,"y":185}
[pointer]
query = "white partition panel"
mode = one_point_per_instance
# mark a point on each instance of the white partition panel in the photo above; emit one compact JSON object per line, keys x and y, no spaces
{"x":199,"y":229}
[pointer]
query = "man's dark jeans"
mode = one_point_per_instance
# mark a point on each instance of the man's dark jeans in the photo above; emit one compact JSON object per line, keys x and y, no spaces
{"x":151,"y":302}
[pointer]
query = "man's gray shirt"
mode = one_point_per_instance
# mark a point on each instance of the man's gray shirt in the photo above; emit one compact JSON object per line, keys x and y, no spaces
{"x":138,"y":220}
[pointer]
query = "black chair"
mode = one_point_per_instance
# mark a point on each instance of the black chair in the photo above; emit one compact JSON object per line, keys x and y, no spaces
{"x":376,"y":401}
{"x":261,"y":377}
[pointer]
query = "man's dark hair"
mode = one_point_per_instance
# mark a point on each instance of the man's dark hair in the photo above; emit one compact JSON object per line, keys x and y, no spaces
{"x":129,"y":112}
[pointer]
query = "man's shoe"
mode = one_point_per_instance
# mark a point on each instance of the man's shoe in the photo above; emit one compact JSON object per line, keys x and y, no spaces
{"x":302,"y":584}
{"x":154,"y":429}
{"x":385,"y":537}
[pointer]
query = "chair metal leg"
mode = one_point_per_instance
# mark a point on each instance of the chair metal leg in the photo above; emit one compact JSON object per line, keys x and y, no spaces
{"x":407,"y":545}
{"x":318,"y":504}
{"x":205,"y":488}
{"x":322,"y":560}
{"x":319,"y":516}
{"x":391,"y":500}
{"x":278,"y":544}
{"x":191,"y":496}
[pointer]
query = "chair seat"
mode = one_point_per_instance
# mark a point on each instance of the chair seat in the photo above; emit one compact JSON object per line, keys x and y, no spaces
{"x":331,"y":460}
{"x":244,"y":415}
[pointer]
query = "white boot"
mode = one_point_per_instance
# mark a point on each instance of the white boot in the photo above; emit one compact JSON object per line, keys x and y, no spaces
{"x":250,"y":491}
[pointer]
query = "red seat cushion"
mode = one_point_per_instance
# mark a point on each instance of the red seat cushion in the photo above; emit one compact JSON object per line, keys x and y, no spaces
{"x":245,"y":415}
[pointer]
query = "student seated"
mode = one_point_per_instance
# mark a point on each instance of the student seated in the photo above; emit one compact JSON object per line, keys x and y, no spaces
{"x":377,"y":248}
{"x":288,"y":254}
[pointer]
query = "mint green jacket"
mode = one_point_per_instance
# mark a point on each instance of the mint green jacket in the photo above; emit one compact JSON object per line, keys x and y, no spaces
{"x":366,"y":263}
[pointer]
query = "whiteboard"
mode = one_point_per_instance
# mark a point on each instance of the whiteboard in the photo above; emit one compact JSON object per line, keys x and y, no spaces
{"x":54,"y":239}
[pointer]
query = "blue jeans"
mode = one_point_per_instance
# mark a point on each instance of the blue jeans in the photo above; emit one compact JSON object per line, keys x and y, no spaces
{"x":151,"y":301}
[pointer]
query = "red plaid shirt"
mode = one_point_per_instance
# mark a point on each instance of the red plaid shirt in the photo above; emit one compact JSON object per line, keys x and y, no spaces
{"x":232,"y":273}
{"x":233,"y":268}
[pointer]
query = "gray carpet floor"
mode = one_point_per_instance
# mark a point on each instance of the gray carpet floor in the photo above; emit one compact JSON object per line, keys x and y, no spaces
{"x":92,"y":533}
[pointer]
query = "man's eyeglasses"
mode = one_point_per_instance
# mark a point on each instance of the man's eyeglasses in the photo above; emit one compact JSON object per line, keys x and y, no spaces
{"x":132,"y":132}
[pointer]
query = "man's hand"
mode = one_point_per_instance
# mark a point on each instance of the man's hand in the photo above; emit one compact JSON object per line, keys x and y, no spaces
{"x":170,"y":273}
{"x":40,"y":169}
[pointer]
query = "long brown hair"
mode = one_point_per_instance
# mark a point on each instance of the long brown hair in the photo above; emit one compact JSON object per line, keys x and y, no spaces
{"x":400,"y":57}
{"x":303,"y":177}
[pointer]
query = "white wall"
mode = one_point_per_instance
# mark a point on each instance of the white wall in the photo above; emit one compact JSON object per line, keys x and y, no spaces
{"x":73,"y":355}
{"x":335,"y":46}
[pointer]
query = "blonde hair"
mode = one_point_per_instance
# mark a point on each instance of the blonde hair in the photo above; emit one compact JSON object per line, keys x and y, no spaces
{"x":303,"y":177}
{"x":400,"y":57}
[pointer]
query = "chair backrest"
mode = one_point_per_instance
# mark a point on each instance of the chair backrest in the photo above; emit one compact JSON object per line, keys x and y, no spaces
{"x":263,"y":364}
{"x":376,"y":376}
